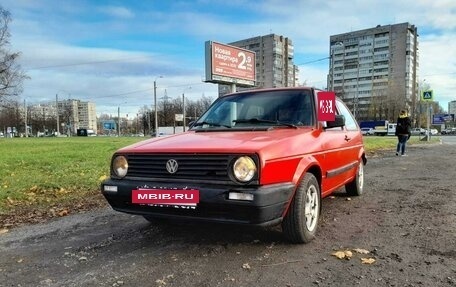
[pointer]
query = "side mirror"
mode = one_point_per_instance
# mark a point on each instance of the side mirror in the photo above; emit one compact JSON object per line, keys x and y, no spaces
{"x":338,"y":122}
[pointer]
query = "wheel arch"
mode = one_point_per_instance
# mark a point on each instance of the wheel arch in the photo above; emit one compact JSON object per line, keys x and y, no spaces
{"x":302,"y":170}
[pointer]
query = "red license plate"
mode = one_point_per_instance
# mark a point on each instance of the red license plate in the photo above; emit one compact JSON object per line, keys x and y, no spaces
{"x":165,"y":196}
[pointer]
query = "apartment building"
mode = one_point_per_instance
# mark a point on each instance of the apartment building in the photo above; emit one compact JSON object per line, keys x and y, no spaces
{"x":87,"y":116}
{"x":452,"y":107}
{"x":73,"y":115}
{"x":274,"y":61}
{"x":375,"y":70}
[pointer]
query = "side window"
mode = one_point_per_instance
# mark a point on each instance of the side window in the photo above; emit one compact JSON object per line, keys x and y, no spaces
{"x":350,"y":122}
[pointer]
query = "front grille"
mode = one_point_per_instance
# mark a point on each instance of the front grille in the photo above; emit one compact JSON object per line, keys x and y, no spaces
{"x":207,"y":167}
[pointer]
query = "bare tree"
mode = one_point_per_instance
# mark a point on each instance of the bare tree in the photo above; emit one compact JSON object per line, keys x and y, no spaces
{"x":11,"y":75}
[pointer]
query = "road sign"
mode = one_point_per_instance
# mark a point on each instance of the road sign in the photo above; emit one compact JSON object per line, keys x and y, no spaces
{"x":427,"y":96}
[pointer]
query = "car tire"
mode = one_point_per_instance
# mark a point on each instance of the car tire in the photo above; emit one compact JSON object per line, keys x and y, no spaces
{"x":301,"y":222}
{"x":356,"y":186}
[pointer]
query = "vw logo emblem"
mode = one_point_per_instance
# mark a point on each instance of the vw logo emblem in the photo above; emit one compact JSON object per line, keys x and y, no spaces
{"x":172,"y":166}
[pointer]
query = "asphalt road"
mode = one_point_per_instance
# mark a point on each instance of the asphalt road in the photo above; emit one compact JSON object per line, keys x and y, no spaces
{"x":406,"y":220}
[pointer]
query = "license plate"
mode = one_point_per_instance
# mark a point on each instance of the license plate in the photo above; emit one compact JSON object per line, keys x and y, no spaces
{"x":186,"y":197}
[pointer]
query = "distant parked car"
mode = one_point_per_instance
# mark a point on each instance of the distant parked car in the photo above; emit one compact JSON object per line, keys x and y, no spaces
{"x":449,"y":131}
{"x":432,"y":131}
{"x":418,"y":131}
{"x":367,"y":131}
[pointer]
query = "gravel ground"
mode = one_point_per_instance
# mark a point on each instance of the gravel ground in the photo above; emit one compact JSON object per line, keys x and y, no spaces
{"x":406,"y":221}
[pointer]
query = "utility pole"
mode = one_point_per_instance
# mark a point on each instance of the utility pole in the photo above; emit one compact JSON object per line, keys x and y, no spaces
{"x":118,"y":121}
{"x":25,"y":120}
{"x":183,"y":107}
{"x":155,"y":106}
{"x":155,"y":109}
{"x":57,"y":112}
{"x":183,"y":111}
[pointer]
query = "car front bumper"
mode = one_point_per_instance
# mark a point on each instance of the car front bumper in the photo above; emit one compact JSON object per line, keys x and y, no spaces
{"x":266,"y":208}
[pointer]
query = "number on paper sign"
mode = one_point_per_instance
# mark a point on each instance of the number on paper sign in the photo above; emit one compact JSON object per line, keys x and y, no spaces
{"x":326,"y":106}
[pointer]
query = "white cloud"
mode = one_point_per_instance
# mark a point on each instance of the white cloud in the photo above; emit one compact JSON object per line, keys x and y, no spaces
{"x":118,"y":12}
{"x":45,"y":41}
{"x":438,"y":66}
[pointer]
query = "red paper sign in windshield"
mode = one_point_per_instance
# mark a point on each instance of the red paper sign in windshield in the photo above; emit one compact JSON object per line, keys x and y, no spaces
{"x":326,"y":106}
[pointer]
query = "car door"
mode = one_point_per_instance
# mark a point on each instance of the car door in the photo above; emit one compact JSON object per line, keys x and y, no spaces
{"x":341,"y":146}
{"x":353,"y":141}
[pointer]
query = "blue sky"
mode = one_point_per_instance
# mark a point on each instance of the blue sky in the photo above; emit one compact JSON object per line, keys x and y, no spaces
{"x":110,"y":52}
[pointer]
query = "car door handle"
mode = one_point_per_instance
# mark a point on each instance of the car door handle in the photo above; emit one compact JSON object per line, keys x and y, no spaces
{"x":347,"y":138}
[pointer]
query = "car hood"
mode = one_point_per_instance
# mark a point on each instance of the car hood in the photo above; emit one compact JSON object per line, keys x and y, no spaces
{"x":217,"y":141}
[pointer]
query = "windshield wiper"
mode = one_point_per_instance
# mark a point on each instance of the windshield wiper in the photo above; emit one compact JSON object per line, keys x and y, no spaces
{"x":255,"y":120}
{"x":210,"y":124}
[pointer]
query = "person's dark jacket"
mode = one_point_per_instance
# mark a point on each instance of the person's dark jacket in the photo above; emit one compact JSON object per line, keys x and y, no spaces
{"x":404,"y":125}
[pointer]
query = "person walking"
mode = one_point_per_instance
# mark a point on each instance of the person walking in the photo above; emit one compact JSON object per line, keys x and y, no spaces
{"x":403,"y":132}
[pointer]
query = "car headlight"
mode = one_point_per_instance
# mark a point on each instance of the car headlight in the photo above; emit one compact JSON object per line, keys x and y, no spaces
{"x":244,"y":169}
{"x":120,"y":166}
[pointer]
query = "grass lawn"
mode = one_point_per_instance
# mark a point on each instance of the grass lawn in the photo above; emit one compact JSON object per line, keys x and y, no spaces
{"x":375,"y":143}
{"x":46,"y":171}
{"x":49,"y":173}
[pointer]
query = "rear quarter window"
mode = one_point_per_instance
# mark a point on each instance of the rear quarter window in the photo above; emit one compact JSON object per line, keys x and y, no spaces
{"x":350,"y":122}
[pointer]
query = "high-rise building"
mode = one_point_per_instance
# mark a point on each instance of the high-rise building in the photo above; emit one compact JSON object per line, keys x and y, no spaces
{"x":274,"y":61}
{"x":375,"y":70}
{"x":87,"y":116}
{"x":452,"y":107}
{"x":73,"y":115}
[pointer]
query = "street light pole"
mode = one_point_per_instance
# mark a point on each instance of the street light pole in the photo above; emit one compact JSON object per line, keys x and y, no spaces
{"x":155,"y":105}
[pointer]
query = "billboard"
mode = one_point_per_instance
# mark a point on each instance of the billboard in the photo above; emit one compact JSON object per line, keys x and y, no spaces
{"x":109,"y":125}
{"x":229,"y":65}
{"x":438,"y":119}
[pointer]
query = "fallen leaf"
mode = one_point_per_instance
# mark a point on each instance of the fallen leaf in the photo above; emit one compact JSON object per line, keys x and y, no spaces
{"x":103,"y":177}
{"x":20,"y":260}
{"x":346,"y":254}
{"x":3,"y":231}
{"x":246,"y":266}
{"x":339,"y":254}
{"x":63,"y":212}
{"x":160,"y":282}
{"x":367,"y":260}
{"x":361,"y":251}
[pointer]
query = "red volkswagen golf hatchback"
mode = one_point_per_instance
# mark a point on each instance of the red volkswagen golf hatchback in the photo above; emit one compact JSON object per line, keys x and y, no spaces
{"x":260,"y":157}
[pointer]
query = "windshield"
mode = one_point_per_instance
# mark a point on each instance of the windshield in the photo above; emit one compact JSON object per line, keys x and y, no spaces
{"x":287,"y":108}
